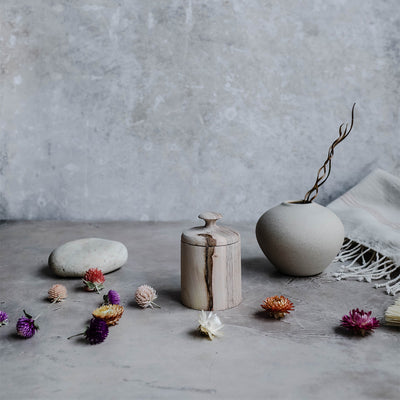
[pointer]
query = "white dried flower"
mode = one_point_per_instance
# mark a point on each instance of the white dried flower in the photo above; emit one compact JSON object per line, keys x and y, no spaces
{"x":145,"y":296}
{"x":210,"y":324}
{"x":392,"y":314}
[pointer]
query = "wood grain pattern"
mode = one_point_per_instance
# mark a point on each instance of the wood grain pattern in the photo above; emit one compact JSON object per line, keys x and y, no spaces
{"x":211,"y":276}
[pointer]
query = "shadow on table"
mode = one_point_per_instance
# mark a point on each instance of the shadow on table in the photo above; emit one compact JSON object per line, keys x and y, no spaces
{"x":173,"y":294}
{"x":339,"y":330}
{"x":196,"y":334}
{"x":15,"y":336}
{"x":164,"y":296}
{"x":262,"y":314}
{"x":259,"y":266}
{"x":46,"y":272}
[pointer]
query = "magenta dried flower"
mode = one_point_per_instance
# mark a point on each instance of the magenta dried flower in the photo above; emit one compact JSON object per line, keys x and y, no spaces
{"x":359,"y":322}
{"x":96,"y":332}
{"x":3,"y":318}
{"x":112,"y":297}
{"x":26,"y":326}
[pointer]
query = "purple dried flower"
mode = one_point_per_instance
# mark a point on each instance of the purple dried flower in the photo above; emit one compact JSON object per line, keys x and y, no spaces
{"x":359,"y":321}
{"x":3,"y":318}
{"x":97,"y":331}
{"x":112,"y":297}
{"x":26,"y":326}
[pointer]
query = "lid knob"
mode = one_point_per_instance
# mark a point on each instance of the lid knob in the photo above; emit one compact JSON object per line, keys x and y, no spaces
{"x":210,"y":218}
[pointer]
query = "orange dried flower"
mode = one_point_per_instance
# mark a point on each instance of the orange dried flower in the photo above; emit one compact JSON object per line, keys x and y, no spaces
{"x":110,"y":313}
{"x":277,"y":306}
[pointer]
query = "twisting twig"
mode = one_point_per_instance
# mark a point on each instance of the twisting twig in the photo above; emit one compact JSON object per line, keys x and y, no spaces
{"x":325,"y":170}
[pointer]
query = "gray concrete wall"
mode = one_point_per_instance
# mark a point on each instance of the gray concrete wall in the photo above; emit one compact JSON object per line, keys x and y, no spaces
{"x":158,"y":110}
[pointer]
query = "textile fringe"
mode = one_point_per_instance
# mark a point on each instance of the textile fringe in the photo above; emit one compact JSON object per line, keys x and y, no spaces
{"x":366,"y":264}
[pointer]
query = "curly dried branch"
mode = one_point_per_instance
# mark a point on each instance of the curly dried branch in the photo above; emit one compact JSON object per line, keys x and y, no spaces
{"x":325,"y":170}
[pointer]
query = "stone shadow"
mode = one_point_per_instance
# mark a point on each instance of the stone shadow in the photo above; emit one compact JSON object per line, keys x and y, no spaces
{"x":46,"y":272}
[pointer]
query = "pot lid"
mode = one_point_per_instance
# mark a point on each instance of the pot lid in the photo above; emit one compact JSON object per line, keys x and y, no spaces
{"x":210,"y":234}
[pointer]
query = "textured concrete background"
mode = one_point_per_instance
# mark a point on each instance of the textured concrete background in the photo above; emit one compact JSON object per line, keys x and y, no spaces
{"x":157,"y":110}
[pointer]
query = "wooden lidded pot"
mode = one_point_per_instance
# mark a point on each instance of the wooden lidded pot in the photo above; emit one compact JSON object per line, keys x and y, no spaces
{"x":211,"y":266}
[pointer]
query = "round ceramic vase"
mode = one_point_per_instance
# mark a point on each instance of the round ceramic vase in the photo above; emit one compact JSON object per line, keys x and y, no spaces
{"x":300,"y":239}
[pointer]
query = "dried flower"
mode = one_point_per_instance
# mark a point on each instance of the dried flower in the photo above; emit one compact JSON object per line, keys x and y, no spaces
{"x":359,"y":322}
{"x":57,"y":293}
{"x":96,"y":332}
{"x":392,"y":314}
{"x":112,"y":297}
{"x":110,"y":313}
{"x":94,"y":280}
{"x":3,"y":318}
{"x":210,"y":325}
{"x":26,"y":326}
{"x":145,"y":295}
{"x":277,"y":306}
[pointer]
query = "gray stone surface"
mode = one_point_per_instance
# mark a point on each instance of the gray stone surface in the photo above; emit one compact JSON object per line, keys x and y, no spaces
{"x":155,"y":110}
{"x":157,"y":354}
{"x":74,"y":258}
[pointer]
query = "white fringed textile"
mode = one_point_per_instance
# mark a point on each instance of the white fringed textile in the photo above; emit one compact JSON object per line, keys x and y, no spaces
{"x":370,"y":213}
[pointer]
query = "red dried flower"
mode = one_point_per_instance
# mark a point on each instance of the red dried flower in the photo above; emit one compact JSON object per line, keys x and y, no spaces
{"x":277,"y":306}
{"x":359,"y":322}
{"x":94,"y":280}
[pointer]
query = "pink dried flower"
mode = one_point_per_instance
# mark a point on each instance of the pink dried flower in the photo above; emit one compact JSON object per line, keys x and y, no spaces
{"x":57,"y":293}
{"x":359,"y":322}
{"x":145,"y":295}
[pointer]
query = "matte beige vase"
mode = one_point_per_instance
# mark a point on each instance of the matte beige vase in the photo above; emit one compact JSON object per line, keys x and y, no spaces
{"x":300,"y":239}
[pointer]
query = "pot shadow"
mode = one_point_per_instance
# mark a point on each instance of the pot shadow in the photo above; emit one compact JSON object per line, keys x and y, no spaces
{"x":173,"y":295}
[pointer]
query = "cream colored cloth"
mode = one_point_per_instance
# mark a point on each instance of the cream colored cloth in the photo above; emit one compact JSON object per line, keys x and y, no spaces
{"x":370,"y":213}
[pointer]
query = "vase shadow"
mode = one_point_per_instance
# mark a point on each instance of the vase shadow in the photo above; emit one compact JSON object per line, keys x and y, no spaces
{"x":252,"y":266}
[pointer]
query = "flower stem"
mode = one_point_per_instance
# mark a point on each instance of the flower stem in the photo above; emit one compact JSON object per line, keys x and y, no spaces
{"x":78,"y":334}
